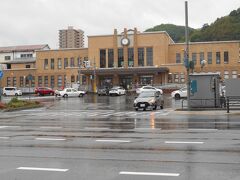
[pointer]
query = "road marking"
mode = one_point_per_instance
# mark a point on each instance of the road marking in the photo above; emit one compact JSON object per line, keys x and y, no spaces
{"x":50,"y":139}
{"x":42,"y":169}
{"x":112,"y":140}
{"x":1,"y":127}
{"x":149,"y":173}
{"x":202,"y":129}
{"x":183,"y":142}
{"x":50,"y":127}
{"x":4,"y":137}
{"x":96,"y":128}
{"x":147,"y":128}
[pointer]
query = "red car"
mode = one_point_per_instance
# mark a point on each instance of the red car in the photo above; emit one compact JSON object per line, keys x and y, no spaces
{"x":41,"y":91}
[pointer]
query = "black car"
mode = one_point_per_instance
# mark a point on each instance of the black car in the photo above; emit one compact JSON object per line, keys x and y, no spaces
{"x":148,"y":100}
{"x":103,"y":91}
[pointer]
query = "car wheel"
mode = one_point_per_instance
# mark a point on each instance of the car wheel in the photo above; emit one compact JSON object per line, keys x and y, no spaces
{"x":80,"y":95}
{"x":136,"y":109}
{"x":65,"y":95}
{"x":155,"y":107}
{"x":161,"y":106}
{"x":16,"y":94}
{"x":38,"y":94}
{"x":177,"y":96}
{"x":4,"y":94}
{"x":51,"y":94}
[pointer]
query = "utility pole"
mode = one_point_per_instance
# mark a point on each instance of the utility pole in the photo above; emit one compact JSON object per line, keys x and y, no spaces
{"x":79,"y":72}
{"x":187,"y":54}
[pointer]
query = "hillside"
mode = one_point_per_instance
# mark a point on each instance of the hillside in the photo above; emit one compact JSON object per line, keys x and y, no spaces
{"x":176,"y":32}
{"x":223,"y":29}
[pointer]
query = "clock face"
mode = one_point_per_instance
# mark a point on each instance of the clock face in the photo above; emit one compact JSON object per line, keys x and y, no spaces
{"x":125,"y":41}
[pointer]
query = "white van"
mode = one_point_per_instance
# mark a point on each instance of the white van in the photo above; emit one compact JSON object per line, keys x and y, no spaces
{"x":11,"y":91}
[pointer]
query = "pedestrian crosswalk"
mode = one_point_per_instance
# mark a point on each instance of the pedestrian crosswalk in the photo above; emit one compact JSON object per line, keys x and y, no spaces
{"x":98,"y":113}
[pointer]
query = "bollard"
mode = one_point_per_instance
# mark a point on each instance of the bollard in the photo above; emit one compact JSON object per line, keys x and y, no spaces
{"x":228,"y":109}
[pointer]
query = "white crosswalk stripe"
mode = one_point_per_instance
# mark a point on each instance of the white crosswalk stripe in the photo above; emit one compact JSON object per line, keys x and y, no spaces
{"x":102,"y":114}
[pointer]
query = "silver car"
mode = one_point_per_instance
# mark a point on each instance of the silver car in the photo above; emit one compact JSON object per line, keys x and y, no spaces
{"x":149,"y":100}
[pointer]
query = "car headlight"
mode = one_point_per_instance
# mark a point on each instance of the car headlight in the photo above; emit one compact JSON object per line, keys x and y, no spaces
{"x":151,"y":101}
{"x":135,"y":101}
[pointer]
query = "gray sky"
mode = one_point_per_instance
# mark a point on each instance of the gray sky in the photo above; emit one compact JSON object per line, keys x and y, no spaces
{"x":38,"y":21}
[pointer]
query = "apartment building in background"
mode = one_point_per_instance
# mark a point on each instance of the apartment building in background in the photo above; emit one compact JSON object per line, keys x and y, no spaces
{"x":71,"y":38}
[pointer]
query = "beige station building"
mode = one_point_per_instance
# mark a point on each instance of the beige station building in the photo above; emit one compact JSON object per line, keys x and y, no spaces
{"x":128,"y":58}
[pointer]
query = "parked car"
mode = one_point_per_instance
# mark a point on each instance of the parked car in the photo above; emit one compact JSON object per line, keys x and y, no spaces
{"x":117,"y":90}
{"x":181,"y":93}
{"x":148,"y":88}
{"x":69,"y":92}
{"x":41,"y":91}
{"x":103,"y":91}
{"x":11,"y":91}
{"x":149,"y":99}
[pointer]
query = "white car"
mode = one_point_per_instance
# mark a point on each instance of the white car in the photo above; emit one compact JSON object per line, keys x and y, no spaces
{"x":117,"y":91}
{"x":181,"y":93}
{"x":11,"y":91}
{"x":69,"y":92}
{"x":148,"y":88}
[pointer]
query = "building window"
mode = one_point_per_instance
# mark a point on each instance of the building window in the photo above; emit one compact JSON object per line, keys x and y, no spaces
{"x":27,"y":66}
{"x":46,"y":81}
{"x":102,"y":58}
{"x":72,"y":64}
{"x":176,"y":77}
{"x":27,"y":82}
{"x":140,"y":56}
{"x":8,"y":81}
{"x":182,"y":77}
{"x":234,"y":74}
{"x":209,"y":55}
{"x":59,"y":63}
{"x":79,"y":62}
{"x":7,"y":58}
{"x":226,"y":58}
{"x":21,"y":81}
{"x":149,"y":56}
{"x":178,"y":58}
{"x":226,"y":75}
{"x":194,"y":58}
{"x":39,"y":81}
{"x":45,"y":64}
{"x":65,"y":80}
{"x":120,"y":57}
{"x":110,"y":58}
{"x":201,"y":55}
{"x":72,"y":78}
{"x":26,"y":55}
{"x":65,"y":63}
{"x":218,"y":58}
{"x":52,"y":81}
{"x":130,"y":57}
{"x":33,"y":81}
{"x":52,"y":63}
{"x":59,"y":81}
{"x":14,"y":81}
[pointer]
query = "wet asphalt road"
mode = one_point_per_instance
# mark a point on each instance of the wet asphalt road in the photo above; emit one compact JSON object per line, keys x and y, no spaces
{"x":103,"y":138}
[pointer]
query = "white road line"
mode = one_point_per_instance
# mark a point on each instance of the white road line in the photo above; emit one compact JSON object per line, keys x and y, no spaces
{"x":50,"y":127}
{"x":202,"y":129}
{"x":50,"y":139}
{"x":96,"y":128}
{"x":42,"y":169}
{"x":147,"y":128}
{"x":112,"y":140}
{"x":149,"y":174}
{"x":4,"y":137}
{"x":1,"y":127}
{"x":183,"y":142}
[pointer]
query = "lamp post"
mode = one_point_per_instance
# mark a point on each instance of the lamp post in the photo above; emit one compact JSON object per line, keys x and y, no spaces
{"x":186,"y":54}
{"x":79,"y":72}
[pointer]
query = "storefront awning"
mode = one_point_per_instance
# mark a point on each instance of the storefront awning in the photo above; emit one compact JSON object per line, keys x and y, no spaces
{"x":122,"y":71}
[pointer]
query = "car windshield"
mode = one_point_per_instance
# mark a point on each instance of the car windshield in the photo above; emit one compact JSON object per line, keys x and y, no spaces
{"x":143,"y":95}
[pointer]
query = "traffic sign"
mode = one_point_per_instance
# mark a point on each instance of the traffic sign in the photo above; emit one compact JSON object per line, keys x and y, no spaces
{"x":1,"y":74}
{"x":30,"y":77}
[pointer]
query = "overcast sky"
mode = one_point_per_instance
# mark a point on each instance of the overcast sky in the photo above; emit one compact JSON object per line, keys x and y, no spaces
{"x":24,"y":22}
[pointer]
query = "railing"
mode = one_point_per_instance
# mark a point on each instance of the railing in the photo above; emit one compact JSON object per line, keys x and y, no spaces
{"x":232,"y":102}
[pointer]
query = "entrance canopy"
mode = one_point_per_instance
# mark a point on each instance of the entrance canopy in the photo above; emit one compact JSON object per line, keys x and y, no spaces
{"x":130,"y":70}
